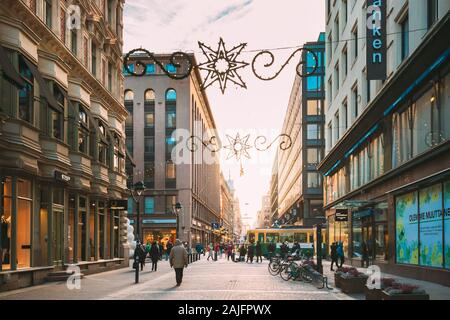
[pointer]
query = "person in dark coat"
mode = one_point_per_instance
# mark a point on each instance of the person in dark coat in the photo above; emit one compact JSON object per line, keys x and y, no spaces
{"x":161,"y":249}
{"x":284,"y":249}
{"x":169,"y":247}
{"x":296,"y":248}
{"x":333,"y":255}
{"x":271,"y":248}
{"x":140,"y":253}
{"x":258,"y":250}
{"x":154,"y":255}
{"x":251,"y":252}
{"x":242,"y":253}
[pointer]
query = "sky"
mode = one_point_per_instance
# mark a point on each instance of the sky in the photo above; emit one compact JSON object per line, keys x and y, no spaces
{"x":162,"y":26}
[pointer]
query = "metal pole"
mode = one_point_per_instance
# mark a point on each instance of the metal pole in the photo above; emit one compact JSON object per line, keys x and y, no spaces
{"x":138,"y":229}
{"x":176,"y":232}
{"x":136,"y":275}
{"x":319,"y":248}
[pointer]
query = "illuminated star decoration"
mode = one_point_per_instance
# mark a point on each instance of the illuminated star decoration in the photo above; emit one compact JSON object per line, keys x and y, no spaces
{"x":222,"y":65}
{"x":238,"y":147}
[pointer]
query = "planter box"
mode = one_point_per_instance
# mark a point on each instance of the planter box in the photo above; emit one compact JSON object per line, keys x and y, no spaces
{"x":353,"y":285}
{"x":337,"y":280}
{"x":373,"y":294}
{"x":406,"y":296}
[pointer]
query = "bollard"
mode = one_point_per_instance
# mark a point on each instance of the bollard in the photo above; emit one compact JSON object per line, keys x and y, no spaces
{"x":136,"y":265}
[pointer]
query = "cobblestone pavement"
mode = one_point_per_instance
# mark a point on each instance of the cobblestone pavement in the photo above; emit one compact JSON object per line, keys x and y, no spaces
{"x":203,"y":280}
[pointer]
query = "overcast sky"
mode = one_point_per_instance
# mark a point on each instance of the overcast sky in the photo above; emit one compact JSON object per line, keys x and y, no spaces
{"x":163,"y":26}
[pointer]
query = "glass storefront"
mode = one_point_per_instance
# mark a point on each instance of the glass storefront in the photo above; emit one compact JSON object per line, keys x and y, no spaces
{"x":422,"y":226}
{"x":338,"y":232}
{"x":81,"y":230}
{"x":5,"y":230}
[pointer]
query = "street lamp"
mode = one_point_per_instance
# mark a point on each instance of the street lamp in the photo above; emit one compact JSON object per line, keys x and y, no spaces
{"x":176,"y":209}
{"x":138,"y":188}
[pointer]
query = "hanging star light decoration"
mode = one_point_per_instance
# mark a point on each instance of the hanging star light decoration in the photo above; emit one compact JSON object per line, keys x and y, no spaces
{"x":238,"y":147}
{"x":222,"y":65}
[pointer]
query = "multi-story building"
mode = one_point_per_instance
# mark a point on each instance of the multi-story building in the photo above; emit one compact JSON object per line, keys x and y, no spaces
{"x":236,"y":226}
{"x":62,"y":139}
{"x":163,"y":111}
{"x":299,"y":182}
{"x":226,"y":210}
{"x":273,"y":191}
{"x":263,"y":216}
{"x":387,"y":178}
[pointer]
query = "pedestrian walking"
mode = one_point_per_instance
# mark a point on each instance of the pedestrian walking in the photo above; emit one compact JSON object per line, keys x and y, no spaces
{"x":210,"y":251}
{"x":216,"y":251}
{"x":154,"y":255}
{"x":296,"y":248}
{"x":340,"y":253}
{"x":251,"y":252}
{"x":169,"y":247}
{"x":178,"y":260}
{"x":140,"y":253}
{"x":333,"y":256}
{"x":258,"y":251}
{"x":161,"y":249}
{"x":229,"y":251}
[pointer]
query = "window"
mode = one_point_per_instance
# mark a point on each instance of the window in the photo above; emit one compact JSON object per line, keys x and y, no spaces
{"x":149,"y":144}
{"x":336,"y":77}
{"x":110,"y":12}
{"x":337,"y":125}
{"x":149,"y":119}
{"x":432,"y":9}
{"x":118,"y":157}
{"x":73,"y":41}
{"x":330,"y":46}
{"x":314,"y":156}
{"x":313,"y":107}
{"x":110,"y":77}
{"x":404,"y":38}
{"x":26,"y":94}
{"x":52,"y":120}
{"x":314,"y":180}
{"x":344,"y":116}
{"x":330,"y":90}
{"x":171,"y":117}
{"x":150,"y":68}
{"x":171,"y":95}
{"x":102,"y":147}
{"x":355,"y":41}
{"x":367,"y":88}
{"x":336,"y":31}
{"x":149,"y":207}
{"x":48,"y":12}
{"x":355,"y":101}
{"x":149,"y":96}
{"x":149,"y":172}
{"x":329,"y":139}
{"x":83,"y":131}
{"x":129,"y":120}
{"x":344,"y":13}
{"x":94,"y":59}
{"x":313,"y":132}
{"x":313,"y":83}
{"x":170,"y":202}
{"x":129,"y":95}
{"x":170,"y":144}
{"x":130,"y":207}
{"x":171,"y":68}
{"x":170,"y":170}
{"x":62,"y":22}
{"x":344,"y":62}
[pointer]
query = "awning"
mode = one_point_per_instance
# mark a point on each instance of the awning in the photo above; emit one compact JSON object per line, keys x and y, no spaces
{"x":89,"y":114}
{"x":363,"y":213}
{"x":43,"y":86}
{"x":9,"y":71}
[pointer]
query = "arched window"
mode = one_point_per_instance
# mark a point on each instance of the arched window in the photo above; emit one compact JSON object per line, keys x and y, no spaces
{"x":171,"y":95}
{"x":149,"y":95}
{"x":129,"y":95}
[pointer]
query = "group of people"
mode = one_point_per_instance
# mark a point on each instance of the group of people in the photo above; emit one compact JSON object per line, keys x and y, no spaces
{"x":176,"y":254}
{"x":217,"y":250}
{"x":155,"y":251}
{"x":337,"y":254}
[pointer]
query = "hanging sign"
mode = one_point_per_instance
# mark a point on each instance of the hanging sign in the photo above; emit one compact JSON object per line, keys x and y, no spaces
{"x":376,"y":40}
{"x":341,"y":215}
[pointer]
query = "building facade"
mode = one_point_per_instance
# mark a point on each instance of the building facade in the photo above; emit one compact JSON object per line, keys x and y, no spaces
{"x":225,"y":231}
{"x":163,"y":112}
{"x":384,"y":137}
{"x":273,"y":191}
{"x":62,"y":139}
{"x":299,"y":182}
{"x":263,"y":216}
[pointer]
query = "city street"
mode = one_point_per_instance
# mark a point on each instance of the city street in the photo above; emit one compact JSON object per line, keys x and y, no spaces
{"x":203,"y":280}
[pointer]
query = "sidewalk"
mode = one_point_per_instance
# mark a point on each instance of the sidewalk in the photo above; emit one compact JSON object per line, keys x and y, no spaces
{"x":436,"y":291}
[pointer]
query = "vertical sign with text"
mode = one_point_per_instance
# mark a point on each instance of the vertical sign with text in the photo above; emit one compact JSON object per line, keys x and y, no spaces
{"x":376,"y":40}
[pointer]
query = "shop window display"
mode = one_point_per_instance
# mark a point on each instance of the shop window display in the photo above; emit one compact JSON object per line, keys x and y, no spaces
{"x":24,"y":205}
{"x":5,"y":225}
{"x":447,"y":224}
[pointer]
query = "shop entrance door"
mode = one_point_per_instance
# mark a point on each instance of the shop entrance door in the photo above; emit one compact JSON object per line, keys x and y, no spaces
{"x":367,"y":235}
{"x":58,"y":236}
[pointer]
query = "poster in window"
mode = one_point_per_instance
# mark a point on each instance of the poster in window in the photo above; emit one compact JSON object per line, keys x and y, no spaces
{"x":430,"y":218}
{"x":407,"y":244}
{"x":447,"y":223}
